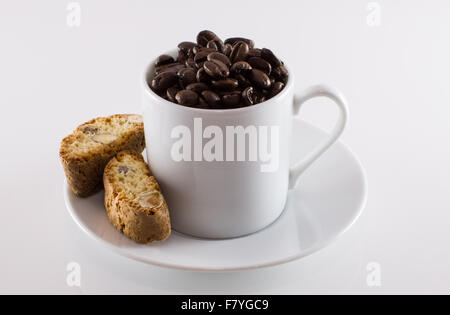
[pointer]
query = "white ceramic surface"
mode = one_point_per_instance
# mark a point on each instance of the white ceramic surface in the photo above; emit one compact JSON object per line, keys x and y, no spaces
{"x":329,"y":198}
{"x":229,"y":198}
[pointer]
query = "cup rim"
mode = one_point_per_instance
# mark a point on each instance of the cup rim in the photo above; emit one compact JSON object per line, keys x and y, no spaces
{"x":158,"y":98}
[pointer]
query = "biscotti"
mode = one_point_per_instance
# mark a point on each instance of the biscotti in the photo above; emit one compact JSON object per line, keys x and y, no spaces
{"x":85,"y":153}
{"x":133,"y":200}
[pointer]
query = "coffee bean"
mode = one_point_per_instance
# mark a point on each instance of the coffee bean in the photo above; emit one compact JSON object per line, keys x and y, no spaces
{"x":227,"y":49}
{"x":186,"y":47}
{"x":216,"y":69}
{"x":259,"y":78}
{"x":261,"y":64}
{"x":202,"y":103}
{"x":255,"y":52}
{"x":226,"y":84}
{"x":198,"y":49}
{"x":259,"y":96}
{"x":186,"y":76}
{"x":190,"y":63}
{"x":164,"y":60}
{"x":181,"y":57}
{"x":172,"y":67}
{"x":187,"y":98}
{"x":219,"y":56}
{"x":281,"y":73}
{"x":212,"y":74}
{"x":197,"y":87}
{"x":202,"y":56}
{"x":240,"y":67}
{"x":221,"y":93}
{"x":268,"y":55}
{"x":170,"y":93}
{"x":211,"y":98}
{"x":234,"y":40}
{"x":248,"y":96}
{"x":215,"y":44}
{"x":202,"y":76}
{"x":243,"y":81}
{"x":212,"y":44}
{"x":239,"y":52}
{"x":204,"y":37}
{"x":163,"y":81}
{"x":272,"y":80}
{"x":231,"y":100}
{"x":276,"y":88}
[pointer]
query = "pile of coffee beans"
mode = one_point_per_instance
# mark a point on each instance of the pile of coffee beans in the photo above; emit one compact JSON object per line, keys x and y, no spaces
{"x":216,"y":74}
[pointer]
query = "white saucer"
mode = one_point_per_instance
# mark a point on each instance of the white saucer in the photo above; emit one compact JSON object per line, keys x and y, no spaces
{"x":329,"y":198}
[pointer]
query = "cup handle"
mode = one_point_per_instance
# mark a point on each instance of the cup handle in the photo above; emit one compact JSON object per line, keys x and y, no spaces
{"x":333,"y":94}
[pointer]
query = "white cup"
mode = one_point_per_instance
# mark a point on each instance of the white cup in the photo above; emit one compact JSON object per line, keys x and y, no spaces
{"x":229,"y":198}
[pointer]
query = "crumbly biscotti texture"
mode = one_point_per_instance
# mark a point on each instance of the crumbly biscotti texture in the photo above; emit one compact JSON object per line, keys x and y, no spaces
{"x":133,"y":200}
{"x":85,"y":153}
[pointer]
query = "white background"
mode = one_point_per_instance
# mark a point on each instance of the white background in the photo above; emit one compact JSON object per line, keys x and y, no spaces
{"x":396,"y":79}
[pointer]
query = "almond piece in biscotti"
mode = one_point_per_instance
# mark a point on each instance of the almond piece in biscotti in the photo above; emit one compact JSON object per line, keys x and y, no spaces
{"x":104,"y":138}
{"x":150,"y":199}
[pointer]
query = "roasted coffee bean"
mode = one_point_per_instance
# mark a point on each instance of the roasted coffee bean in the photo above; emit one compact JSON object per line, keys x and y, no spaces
{"x":211,"y":98}
{"x":227,"y":84}
{"x":268,"y":55}
{"x":259,"y":78}
{"x":259,"y":96}
{"x":219,"y":56}
{"x":172,"y":67}
{"x":255,"y":52}
{"x":198,"y":49}
{"x":272,"y":80}
{"x":186,"y":76}
{"x":190,"y":63}
{"x":197,"y":87}
{"x":231,"y":100}
{"x":281,"y":73}
{"x":182,"y":57}
{"x":202,"y":56}
{"x":202,"y":76}
{"x":219,"y":43}
{"x":227,"y":49}
{"x":240,"y":67}
{"x":248,"y":95}
{"x":216,"y":69}
{"x":204,"y":37}
{"x":276,"y":88}
{"x":163,"y":81}
{"x":202,"y":103}
{"x":164,"y":60}
{"x":234,"y":40}
{"x":242,"y":81}
{"x":239,"y":52}
{"x":171,"y":92}
{"x":261,"y":64}
{"x":187,"y":98}
{"x":186,"y":47}
{"x":213,"y":45}
{"x":212,"y":74}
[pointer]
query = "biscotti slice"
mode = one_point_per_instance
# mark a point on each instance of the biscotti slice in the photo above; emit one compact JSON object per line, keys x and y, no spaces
{"x":133,"y":200}
{"x":85,"y":153}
